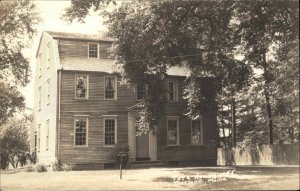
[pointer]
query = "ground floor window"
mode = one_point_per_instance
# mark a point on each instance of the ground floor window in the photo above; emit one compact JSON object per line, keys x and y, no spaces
{"x":81,"y":126}
{"x":196,"y":131}
{"x":110,"y":128}
{"x":173,"y":131}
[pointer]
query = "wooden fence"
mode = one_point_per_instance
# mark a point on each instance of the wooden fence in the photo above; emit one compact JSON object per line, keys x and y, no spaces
{"x":284,"y":154}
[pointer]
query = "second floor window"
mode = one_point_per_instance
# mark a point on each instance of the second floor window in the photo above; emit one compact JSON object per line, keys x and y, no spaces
{"x":110,"y":87}
{"x":81,"y":87}
{"x":172,"y":90}
{"x":93,"y":50}
{"x":141,"y":90}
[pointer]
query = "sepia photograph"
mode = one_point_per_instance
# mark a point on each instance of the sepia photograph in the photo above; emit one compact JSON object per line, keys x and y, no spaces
{"x":149,"y":95}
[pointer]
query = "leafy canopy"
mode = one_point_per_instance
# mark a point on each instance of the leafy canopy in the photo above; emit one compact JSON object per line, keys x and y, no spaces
{"x":17,"y":19}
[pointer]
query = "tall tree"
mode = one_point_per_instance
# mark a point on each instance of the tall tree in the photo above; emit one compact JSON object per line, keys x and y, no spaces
{"x":14,"y":142}
{"x":17,"y":20}
{"x":151,"y":36}
{"x":267,"y":28}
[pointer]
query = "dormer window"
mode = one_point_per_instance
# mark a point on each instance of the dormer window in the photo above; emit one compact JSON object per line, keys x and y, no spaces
{"x":93,"y":50}
{"x":141,"y":90}
{"x":172,"y":90}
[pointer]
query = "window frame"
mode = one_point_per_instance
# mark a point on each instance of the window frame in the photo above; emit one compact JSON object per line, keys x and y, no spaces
{"x":201,"y":130}
{"x":116,"y":88}
{"x":176,"y":118}
{"x":115,"y":118}
{"x":40,"y":64}
{"x":39,"y":98}
{"x":136,"y":92}
{"x":175,"y":85}
{"x":39,"y":138}
{"x":87,"y":87}
{"x":47,"y":133}
{"x":95,"y":43}
{"x":48,"y":91}
{"x":48,"y":56}
{"x":86,"y":117}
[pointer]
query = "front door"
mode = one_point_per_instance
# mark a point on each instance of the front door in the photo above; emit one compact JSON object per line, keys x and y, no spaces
{"x":142,"y":147}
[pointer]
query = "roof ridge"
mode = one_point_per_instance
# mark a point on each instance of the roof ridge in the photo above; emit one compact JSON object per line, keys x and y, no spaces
{"x":72,"y":35}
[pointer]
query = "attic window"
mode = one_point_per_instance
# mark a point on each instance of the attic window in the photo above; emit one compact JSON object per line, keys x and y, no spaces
{"x":93,"y":50}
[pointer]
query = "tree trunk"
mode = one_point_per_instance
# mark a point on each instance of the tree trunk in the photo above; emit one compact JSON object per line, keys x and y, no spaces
{"x":223,"y":127}
{"x":267,"y":97}
{"x":233,"y":122}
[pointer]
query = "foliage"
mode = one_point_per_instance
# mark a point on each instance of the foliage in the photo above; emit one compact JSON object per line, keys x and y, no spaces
{"x":80,"y":9}
{"x":151,"y":36}
{"x":41,"y":168}
{"x":266,"y":31}
{"x":59,"y":166}
{"x":14,"y":144}
{"x":17,"y":19}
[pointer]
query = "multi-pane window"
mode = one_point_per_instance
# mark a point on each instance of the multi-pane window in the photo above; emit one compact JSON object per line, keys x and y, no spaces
{"x":40,"y":64}
{"x":48,"y":55}
{"x":93,"y":50}
{"x":173,"y":131}
{"x":110,"y":87}
{"x":110,"y":131}
{"x":39,"y":137}
{"x":47,"y":134}
{"x":141,"y":90}
{"x":35,"y":141}
{"x":104,"y":49}
{"x":80,"y":131}
{"x":39,"y":98}
{"x":48,"y":91}
{"x":172,"y":90}
{"x":81,"y":87}
{"x":196,"y":132}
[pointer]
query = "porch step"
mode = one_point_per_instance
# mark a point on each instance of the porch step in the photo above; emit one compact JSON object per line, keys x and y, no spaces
{"x":146,"y":164}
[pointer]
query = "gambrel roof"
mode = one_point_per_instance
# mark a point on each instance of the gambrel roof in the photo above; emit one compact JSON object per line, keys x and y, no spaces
{"x":94,"y":65}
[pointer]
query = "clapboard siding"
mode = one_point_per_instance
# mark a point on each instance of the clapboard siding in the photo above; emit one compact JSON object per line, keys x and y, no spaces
{"x":185,"y":151}
{"x":96,"y":106}
{"x":48,"y":110}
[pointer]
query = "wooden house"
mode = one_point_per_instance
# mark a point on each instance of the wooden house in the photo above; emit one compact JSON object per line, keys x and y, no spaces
{"x":82,"y":111}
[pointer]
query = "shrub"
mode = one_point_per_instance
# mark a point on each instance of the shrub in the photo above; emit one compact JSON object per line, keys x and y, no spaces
{"x":30,"y":169}
{"x":41,"y":168}
{"x":59,"y":166}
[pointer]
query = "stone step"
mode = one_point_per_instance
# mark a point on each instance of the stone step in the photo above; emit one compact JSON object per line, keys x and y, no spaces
{"x":146,"y":164}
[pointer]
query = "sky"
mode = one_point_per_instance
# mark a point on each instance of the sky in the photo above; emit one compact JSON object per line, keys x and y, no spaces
{"x":50,"y":13}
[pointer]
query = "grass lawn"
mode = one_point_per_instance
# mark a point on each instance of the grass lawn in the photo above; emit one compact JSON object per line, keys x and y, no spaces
{"x":203,"y":178}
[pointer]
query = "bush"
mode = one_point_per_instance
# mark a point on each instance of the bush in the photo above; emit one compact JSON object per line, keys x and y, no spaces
{"x":41,"y":168}
{"x":59,"y":166}
{"x":30,"y":169}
